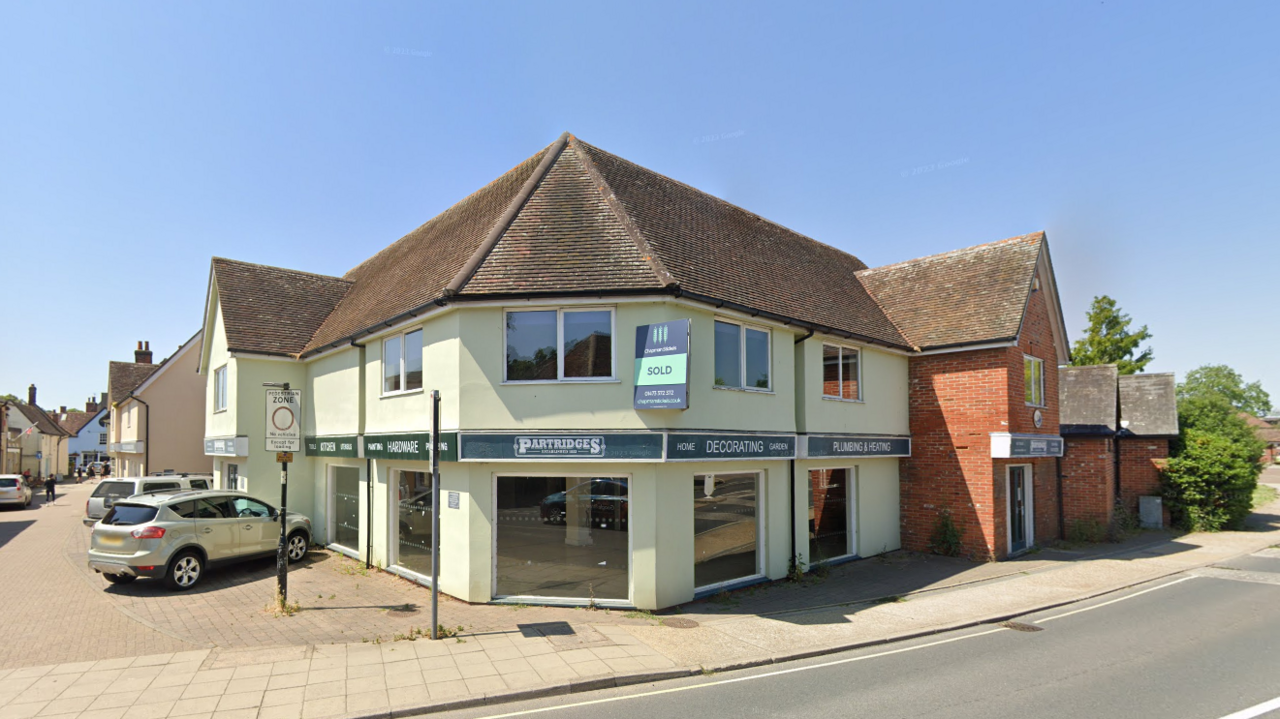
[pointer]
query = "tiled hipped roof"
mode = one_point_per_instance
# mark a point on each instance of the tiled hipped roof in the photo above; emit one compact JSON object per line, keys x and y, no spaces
{"x":74,"y":421}
{"x":124,"y":377}
{"x":574,"y":219}
{"x":41,"y":419}
{"x":978,"y":294}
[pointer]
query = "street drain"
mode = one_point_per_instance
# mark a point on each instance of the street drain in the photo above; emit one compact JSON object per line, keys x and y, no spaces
{"x":679,"y":623}
{"x":1021,"y":627}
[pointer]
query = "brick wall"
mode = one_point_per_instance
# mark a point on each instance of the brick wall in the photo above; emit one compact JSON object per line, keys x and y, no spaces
{"x":1139,"y":476}
{"x":956,"y":401}
{"x":1088,"y":480}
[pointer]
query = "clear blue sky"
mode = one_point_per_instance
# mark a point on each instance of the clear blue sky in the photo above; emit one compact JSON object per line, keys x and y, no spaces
{"x":138,"y":140}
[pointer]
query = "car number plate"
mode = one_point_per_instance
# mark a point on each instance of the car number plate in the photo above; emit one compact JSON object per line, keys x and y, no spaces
{"x":111,"y":541}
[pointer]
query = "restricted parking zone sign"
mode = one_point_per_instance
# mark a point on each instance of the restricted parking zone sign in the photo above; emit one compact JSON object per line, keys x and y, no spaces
{"x":284,"y":420}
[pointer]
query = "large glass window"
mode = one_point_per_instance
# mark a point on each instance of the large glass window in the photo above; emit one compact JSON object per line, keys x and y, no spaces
{"x":547,"y":345}
{"x":832,"y":494}
{"x":840,"y":378}
{"x":402,"y":363}
{"x":220,"y":389}
{"x":346,"y":507}
{"x":741,"y":356}
{"x":725,"y":531}
{"x":1033,"y":380}
{"x":413,"y":521}
{"x":562,"y":537}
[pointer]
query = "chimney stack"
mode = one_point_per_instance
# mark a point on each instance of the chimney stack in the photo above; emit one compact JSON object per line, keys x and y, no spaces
{"x":31,"y":395}
{"x":102,"y":401}
{"x":62,"y":409}
{"x":142,"y":355}
{"x":91,"y":406}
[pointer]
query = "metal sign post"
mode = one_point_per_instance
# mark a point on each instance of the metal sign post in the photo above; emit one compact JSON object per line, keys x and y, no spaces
{"x":284,"y":437}
{"x":435,"y":513}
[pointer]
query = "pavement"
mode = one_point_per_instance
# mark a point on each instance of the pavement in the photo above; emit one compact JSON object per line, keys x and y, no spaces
{"x":78,"y":647}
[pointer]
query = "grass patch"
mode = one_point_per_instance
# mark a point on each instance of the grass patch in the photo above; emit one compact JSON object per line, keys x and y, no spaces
{"x":1263,"y":495}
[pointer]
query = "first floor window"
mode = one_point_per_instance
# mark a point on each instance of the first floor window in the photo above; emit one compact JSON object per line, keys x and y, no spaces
{"x":220,"y":389}
{"x":840,"y":373}
{"x":562,"y":344}
{"x":102,"y":438}
{"x":1033,"y":377}
{"x":741,"y":356}
{"x":402,"y":362}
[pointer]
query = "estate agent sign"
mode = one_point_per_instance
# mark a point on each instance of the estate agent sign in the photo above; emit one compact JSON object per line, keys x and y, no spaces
{"x":662,"y":364}
{"x":284,"y":420}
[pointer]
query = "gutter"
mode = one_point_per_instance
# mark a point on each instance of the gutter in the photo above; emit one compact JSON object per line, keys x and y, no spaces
{"x":146,"y":435}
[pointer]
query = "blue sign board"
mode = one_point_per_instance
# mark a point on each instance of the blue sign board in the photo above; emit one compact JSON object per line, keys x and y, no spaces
{"x":689,"y":446}
{"x":662,"y":365}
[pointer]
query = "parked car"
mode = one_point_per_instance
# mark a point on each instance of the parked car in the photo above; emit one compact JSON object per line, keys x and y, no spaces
{"x":607,"y":497}
{"x":14,"y":491}
{"x":176,"y":536}
{"x":110,"y":491}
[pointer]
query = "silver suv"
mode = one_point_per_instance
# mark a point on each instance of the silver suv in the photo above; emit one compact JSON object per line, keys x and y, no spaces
{"x":176,"y":536}
{"x":110,"y":491}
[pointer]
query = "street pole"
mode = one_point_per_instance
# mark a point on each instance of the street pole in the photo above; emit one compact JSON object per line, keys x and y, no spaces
{"x":282,"y":551}
{"x":435,"y":513}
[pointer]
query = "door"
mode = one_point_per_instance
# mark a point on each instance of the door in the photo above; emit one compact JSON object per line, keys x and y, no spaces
{"x":1021,"y":529}
{"x":259,"y":531}
{"x":217,"y":528}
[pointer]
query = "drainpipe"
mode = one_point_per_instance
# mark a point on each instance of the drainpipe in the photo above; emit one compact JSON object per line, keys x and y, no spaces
{"x":368,"y":463}
{"x":1062,"y":513}
{"x":146,"y":437}
{"x":794,"y":557}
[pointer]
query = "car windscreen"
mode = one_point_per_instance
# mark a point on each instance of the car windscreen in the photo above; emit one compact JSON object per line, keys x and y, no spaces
{"x":8,"y":482}
{"x":114,"y":489}
{"x":129,"y":514}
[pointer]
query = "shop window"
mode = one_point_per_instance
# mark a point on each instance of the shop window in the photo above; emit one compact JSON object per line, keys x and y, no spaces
{"x":725,"y":528}
{"x":413,"y":521}
{"x":832,"y":508}
{"x":345,"y":500}
{"x":1033,"y":380}
{"x":220,"y":389}
{"x":563,"y":344}
{"x":741,"y":356}
{"x":402,"y":363}
{"x":841,"y":373}
{"x":562,"y":537}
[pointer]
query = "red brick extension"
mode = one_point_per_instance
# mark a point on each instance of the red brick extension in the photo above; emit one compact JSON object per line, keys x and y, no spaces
{"x":956,"y":401}
{"x":1089,"y":475}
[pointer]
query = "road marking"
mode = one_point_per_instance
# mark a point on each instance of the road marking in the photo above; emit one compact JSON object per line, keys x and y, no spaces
{"x":1256,"y":710}
{"x":753,"y":677}
{"x":1113,"y":601}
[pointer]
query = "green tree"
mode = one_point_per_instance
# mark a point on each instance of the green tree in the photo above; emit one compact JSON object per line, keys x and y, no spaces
{"x":1222,"y":381}
{"x":8,"y":398}
{"x":1109,"y":341}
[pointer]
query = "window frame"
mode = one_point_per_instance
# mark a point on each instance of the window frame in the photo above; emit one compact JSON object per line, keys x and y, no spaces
{"x":840,"y":365}
{"x":1040,"y":388}
{"x":560,"y":313}
{"x":393,"y":525}
{"x":742,"y":355}
{"x":382,"y":378}
{"x":220,"y":376}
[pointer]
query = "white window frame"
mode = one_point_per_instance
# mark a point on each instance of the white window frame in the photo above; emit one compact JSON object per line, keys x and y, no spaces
{"x":393,"y":525}
{"x":760,"y":545}
{"x":850,"y":508}
{"x":382,"y":378}
{"x":220,"y":389}
{"x":560,"y":313}
{"x":840,"y":365}
{"x":742,"y":355}
{"x":128,"y":418}
{"x":566,"y":601}
{"x":331,"y":504}
{"x":1040,"y":390}
{"x":102,"y":438}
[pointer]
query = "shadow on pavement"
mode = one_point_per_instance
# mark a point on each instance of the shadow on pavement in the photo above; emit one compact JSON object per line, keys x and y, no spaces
{"x":9,"y":530}
{"x":216,"y":578}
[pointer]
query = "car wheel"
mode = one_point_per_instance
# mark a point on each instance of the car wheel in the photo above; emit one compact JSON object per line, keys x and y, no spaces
{"x":184,"y":571}
{"x":296,"y":548}
{"x":119,"y":578}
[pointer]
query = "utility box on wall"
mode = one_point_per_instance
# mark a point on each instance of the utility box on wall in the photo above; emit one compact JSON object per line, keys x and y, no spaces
{"x":1151,"y":512}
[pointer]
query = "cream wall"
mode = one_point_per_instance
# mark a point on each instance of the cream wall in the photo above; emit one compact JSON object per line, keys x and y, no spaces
{"x":176,"y":397}
{"x":331,"y":397}
{"x":219,"y":424}
{"x":411,"y":411}
{"x":260,"y":471}
{"x":883,"y":409}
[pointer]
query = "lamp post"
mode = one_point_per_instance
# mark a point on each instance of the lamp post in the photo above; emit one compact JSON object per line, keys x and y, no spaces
{"x":282,"y":556}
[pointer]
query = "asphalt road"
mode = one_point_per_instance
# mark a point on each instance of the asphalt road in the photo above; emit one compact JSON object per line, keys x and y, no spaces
{"x":1187,"y":646}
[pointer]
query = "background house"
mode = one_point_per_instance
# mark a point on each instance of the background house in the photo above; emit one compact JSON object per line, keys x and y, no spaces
{"x":86,"y":430}
{"x":157,"y":413}
{"x":35,"y":441}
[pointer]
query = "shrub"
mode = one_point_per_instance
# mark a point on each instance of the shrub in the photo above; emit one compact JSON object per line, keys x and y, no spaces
{"x":1209,"y":485}
{"x":946,"y":539}
{"x":1086,"y":531}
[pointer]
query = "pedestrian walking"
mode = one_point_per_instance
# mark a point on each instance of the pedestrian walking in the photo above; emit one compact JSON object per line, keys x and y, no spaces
{"x":49,"y":484}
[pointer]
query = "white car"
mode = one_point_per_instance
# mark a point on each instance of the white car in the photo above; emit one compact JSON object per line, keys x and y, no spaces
{"x":14,"y":491}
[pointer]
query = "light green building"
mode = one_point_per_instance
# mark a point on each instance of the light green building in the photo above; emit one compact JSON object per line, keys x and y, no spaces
{"x":647,"y":394}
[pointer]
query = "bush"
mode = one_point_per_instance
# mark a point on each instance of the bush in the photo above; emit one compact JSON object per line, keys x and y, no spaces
{"x":946,"y":539}
{"x":1086,"y":531}
{"x":1209,"y":485}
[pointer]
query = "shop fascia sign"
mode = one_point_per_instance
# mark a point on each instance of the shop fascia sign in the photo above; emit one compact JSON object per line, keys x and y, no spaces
{"x":226,"y":446}
{"x":712,"y":446}
{"x":411,"y":446}
{"x":818,"y":446}
{"x":662,"y":366}
{"x":1005,"y":445}
{"x":618,"y":446}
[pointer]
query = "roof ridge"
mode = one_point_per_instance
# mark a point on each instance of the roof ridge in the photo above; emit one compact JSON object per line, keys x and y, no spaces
{"x":217,"y":259}
{"x":723,"y":201}
{"x":952,"y":253}
{"x":647,"y":252}
{"x":500,"y":227}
